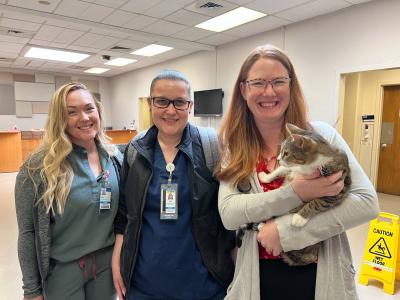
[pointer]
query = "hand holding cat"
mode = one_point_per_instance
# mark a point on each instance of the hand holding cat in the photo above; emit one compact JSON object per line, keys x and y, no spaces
{"x":309,"y":187}
{"x":268,"y":237}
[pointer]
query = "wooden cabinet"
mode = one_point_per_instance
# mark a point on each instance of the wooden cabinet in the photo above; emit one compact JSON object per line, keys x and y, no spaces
{"x":10,"y":151}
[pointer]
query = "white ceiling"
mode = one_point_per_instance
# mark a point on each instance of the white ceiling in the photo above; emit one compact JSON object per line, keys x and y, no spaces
{"x":95,"y":26}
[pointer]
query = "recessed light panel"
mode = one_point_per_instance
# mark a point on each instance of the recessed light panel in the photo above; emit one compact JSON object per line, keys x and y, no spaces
{"x":96,"y":70}
{"x":151,"y":50}
{"x":119,"y":62}
{"x":58,"y":55}
{"x":233,"y":18}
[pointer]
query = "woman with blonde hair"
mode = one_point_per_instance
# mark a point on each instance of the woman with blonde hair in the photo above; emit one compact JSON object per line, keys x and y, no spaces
{"x":66,"y":197}
{"x":266,"y":96}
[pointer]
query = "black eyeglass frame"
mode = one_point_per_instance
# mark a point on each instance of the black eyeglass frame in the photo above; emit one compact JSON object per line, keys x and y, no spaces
{"x":171,"y":101}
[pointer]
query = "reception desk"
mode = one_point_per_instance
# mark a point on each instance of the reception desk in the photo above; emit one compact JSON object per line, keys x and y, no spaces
{"x":15,"y":146}
{"x":10,"y":151}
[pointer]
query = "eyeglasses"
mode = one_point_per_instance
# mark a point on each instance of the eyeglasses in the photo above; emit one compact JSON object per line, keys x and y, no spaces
{"x":277,"y":84}
{"x":162,"y":102}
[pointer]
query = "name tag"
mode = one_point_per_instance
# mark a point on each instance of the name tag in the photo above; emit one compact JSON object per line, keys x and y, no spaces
{"x":169,"y":202}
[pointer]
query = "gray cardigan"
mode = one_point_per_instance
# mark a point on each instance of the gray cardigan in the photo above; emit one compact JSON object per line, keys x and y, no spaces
{"x":335,"y":272}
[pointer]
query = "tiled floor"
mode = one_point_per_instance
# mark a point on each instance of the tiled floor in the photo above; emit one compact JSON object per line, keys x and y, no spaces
{"x":10,"y":277}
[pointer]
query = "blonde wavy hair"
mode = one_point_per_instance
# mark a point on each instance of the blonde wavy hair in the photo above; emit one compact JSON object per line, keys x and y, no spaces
{"x":241,"y":140}
{"x":50,"y":158}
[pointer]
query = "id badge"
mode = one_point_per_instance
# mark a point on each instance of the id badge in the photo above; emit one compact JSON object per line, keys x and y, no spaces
{"x":169,"y":202}
{"x":105,"y":198}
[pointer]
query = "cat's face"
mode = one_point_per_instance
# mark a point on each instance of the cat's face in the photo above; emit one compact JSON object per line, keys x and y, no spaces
{"x":299,"y":148}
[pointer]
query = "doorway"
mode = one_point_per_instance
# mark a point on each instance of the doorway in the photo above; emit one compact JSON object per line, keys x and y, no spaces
{"x":145,"y":119}
{"x":388,"y":181}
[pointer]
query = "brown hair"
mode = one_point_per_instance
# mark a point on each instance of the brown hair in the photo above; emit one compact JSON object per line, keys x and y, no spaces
{"x":241,"y":140}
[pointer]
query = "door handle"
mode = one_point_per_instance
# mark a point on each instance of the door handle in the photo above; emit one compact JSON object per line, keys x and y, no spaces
{"x":384,"y":145}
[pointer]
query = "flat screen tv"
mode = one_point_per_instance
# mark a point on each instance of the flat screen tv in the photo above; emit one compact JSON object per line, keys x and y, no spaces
{"x":208,"y":103}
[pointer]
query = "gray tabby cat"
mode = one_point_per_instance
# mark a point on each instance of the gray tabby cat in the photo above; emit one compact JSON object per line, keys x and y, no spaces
{"x":302,"y":152}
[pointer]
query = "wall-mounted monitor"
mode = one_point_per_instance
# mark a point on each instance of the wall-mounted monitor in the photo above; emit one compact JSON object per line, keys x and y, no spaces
{"x":208,"y":103}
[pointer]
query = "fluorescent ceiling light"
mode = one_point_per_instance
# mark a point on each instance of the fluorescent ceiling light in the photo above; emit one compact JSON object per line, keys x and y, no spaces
{"x":151,"y":50}
{"x":96,"y":70}
{"x":119,"y":62}
{"x":231,"y":19}
{"x":58,"y":55}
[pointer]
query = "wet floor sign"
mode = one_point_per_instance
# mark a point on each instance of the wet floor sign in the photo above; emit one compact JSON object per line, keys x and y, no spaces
{"x":381,"y":261}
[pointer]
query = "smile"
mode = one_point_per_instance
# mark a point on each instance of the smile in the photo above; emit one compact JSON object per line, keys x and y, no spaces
{"x":85,"y":127}
{"x":268,"y":104}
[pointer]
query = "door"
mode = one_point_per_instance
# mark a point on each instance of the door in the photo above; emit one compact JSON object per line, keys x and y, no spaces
{"x":145,"y":120}
{"x":389,"y":154}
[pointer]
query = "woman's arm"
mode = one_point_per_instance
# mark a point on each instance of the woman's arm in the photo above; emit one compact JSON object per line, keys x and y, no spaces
{"x":237,"y":208}
{"x":360,"y":206}
{"x":116,"y":267}
{"x":24,"y":205}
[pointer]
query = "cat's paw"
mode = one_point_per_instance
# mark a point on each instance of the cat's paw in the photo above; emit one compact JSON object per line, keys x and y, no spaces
{"x":298,"y":221}
{"x":264,"y":177}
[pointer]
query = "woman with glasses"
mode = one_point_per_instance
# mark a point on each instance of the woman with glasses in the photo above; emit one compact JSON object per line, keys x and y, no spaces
{"x":170,"y":242}
{"x":266,"y":96}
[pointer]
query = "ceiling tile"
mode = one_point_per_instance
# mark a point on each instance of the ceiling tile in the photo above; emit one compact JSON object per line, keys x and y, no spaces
{"x":187,"y":17}
{"x":165,"y":8}
{"x":88,"y":39}
{"x":96,"y":13}
{"x":271,"y":7}
{"x":240,"y":2}
{"x":11,"y":47}
{"x":67,"y":24}
{"x":13,"y":39}
{"x":192,"y":34}
{"x":10,"y":55}
{"x":71,"y":7}
{"x":58,"y":45}
{"x":84,"y":49}
{"x":119,"y":18}
{"x":21,"y":61}
{"x":48,"y":33}
{"x":105,"y":42}
{"x":217,"y":39}
{"x":18,"y":24}
{"x":358,"y":1}
{"x":115,"y":33}
{"x":257,"y":26}
{"x":34,"y":4}
{"x":37,"y":42}
{"x":143,"y":37}
{"x":139,"y":22}
{"x":134,"y":45}
{"x":312,"y":9}
{"x":139,"y":6}
{"x":24,"y":17}
{"x":68,"y":36}
{"x":164,"y":28}
{"x":111,"y":3}
{"x":35,"y":63}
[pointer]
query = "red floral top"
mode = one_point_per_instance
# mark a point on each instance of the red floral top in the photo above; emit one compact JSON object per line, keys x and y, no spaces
{"x":275,"y":184}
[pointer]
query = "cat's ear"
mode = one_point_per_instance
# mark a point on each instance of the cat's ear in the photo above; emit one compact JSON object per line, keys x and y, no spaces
{"x":298,"y":139}
{"x":290,"y":128}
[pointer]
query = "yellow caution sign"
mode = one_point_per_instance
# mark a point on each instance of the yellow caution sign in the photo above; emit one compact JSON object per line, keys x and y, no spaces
{"x":380,"y":260}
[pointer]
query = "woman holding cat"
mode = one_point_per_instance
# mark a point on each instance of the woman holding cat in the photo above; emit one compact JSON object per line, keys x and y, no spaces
{"x":266,"y":96}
